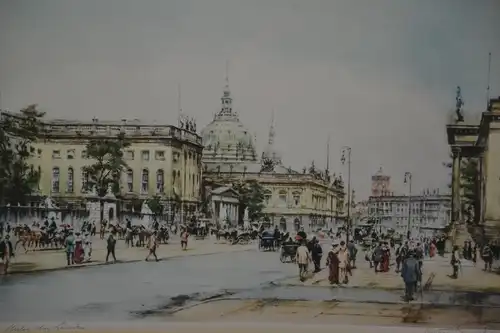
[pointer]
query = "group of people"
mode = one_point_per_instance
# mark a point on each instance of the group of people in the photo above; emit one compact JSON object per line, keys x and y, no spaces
{"x":341,"y":259}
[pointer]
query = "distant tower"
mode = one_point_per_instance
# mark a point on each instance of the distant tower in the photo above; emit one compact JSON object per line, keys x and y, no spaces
{"x":380,"y":184}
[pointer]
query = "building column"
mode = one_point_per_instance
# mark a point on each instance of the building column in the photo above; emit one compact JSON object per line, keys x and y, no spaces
{"x":456,"y":206}
{"x":482,"y":188}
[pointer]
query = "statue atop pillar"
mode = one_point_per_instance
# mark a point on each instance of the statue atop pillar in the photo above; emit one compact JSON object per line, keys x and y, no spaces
{"x":459,"y":106}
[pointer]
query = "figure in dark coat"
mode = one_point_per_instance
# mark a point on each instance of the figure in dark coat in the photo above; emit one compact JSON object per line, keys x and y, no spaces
{"x":332,"y":261}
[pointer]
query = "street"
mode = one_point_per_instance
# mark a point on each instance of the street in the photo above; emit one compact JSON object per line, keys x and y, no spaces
{"x":117,"y":292}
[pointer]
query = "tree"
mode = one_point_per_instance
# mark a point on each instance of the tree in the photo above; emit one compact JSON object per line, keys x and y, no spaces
{"x":251,"y":196}
{"x":18,"y":133}
{"x":108,"y":165}
{"x":156,"y":206}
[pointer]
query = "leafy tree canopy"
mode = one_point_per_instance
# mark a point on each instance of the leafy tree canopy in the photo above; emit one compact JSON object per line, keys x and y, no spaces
{"x":155,"y":205}
{"x":18,"y":133}
{"x":251,"y":197}
{"x":108,"y":164}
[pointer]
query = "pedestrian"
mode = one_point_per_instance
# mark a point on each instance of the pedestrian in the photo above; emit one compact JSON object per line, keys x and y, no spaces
{"x":302,"y":258}
{"x":111,"y":245}
{"x":152,"y":245}
{"x":317,"y":254}
{"x":410,"y":273}
{"x":377,"y":255}
{"x":353,"y":252}
{"x":6,"y":252}
{"x":487,"y":256}
{"x":69,"y":244}
{"x":184,"y":239}
{"x":455,"y":262}
{"x":343,"y":257}
{"x":332,"y":261}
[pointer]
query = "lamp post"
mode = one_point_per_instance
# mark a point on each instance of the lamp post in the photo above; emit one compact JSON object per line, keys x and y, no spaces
{"x":347,"y":151}
{"x":408,"y":176}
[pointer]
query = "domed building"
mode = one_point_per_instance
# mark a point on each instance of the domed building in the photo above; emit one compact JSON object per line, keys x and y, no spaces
{"x":310,"y":199}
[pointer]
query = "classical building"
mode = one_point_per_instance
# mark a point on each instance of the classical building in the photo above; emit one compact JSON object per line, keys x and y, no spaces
{"x":162,"y":160}
{"x":425,"y":214}
{"x":479,"y":142}
{"x":311,"y":198}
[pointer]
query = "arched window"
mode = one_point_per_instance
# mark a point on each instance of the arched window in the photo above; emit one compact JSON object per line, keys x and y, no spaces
{"x":145,"y":181}
{"x":56,"y":177}
{"x":130,"y":180}
{"x":282,"y":198}
{"x":71,"y":176}
{"x":267,"y":197}
{"x":85,"y":180}
{"x":296,"y":199}
{"x":174,"y":176}
{"x":160,"y":181}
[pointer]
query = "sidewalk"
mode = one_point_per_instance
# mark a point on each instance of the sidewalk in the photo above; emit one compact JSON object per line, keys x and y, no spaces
{"x":52,"y":260}
{"x":471,"y":278}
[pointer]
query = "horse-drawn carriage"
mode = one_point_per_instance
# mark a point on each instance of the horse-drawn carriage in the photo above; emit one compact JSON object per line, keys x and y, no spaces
{"x":288,"y":251}
{"x":267,"y":242}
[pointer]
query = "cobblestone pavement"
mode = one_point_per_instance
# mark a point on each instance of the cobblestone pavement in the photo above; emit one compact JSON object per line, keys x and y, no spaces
{"x":49,"y":260}
{"x":471,"y":278}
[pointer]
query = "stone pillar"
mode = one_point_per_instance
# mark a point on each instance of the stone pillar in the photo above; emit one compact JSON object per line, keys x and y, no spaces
{"x":455,"y":187}
{"x":482,"y":187}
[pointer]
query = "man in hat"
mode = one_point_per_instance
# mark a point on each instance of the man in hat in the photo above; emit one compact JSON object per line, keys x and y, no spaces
{"x":6,"y":252}
{"x":303,"y":257}
{"x":69,"y":244}
{"x":410,"y":273}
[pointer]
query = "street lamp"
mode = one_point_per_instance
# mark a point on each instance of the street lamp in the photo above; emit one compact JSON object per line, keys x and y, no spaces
{"x":408,"y":176}
{"x":347,"y":151}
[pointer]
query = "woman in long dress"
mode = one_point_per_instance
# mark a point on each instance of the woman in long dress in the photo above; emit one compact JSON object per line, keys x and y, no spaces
{"x":332,"y":261}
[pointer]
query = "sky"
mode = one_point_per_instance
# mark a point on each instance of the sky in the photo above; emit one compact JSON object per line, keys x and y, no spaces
{"x":376,"y":75}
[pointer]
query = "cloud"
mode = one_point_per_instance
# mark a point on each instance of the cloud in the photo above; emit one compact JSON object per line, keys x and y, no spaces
{"x":376,"y":75}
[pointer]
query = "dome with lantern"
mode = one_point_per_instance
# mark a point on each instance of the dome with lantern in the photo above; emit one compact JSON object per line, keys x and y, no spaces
{"x":226,"y":138}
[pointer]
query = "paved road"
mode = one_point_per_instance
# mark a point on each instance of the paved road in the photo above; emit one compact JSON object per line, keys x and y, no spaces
{"x":115,"y":292}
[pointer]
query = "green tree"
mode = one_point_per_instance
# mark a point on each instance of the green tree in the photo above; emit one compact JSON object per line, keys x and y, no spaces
{"x":18,"y":133}
{"x":251,"y":196}
{"x":108,"y":164}
{"x":156,"y":206}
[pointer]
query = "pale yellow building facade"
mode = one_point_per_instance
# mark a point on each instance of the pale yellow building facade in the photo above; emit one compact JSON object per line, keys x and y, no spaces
{"x":162,"y":160}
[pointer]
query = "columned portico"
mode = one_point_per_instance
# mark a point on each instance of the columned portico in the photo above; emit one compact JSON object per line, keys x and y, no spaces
{"x":225,"y":203}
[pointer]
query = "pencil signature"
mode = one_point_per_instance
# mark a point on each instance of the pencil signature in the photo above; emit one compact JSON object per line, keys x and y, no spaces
{"x":458,"y":329}
{"x":60,"y":327}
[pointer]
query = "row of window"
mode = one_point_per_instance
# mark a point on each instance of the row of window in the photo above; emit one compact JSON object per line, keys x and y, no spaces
{"x":145,"y":180}
{"x":159,"y":155}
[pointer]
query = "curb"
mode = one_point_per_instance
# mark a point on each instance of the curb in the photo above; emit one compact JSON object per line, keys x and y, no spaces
{"x":387,"y":288}
{"x":97,"y":264}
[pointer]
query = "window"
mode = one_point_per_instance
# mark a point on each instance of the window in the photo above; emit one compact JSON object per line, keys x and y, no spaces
{"x":69,"y":185}
{"x":130,"y":180}
{"x":56,"y":154}
{"x":145,"y":181}
{"x":160,"y":155}
{"x":70,"y":154}
{"x":282,"y":198}
{"x":296,"y":199}
{"x":145,"y":155}
{"x":55,"y":179}
{"x":84,"y":154}
{"x":174,"y":174}
{"x":129,"y":155}
{"x":160,"y":181}
{"x":85,"y":180}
